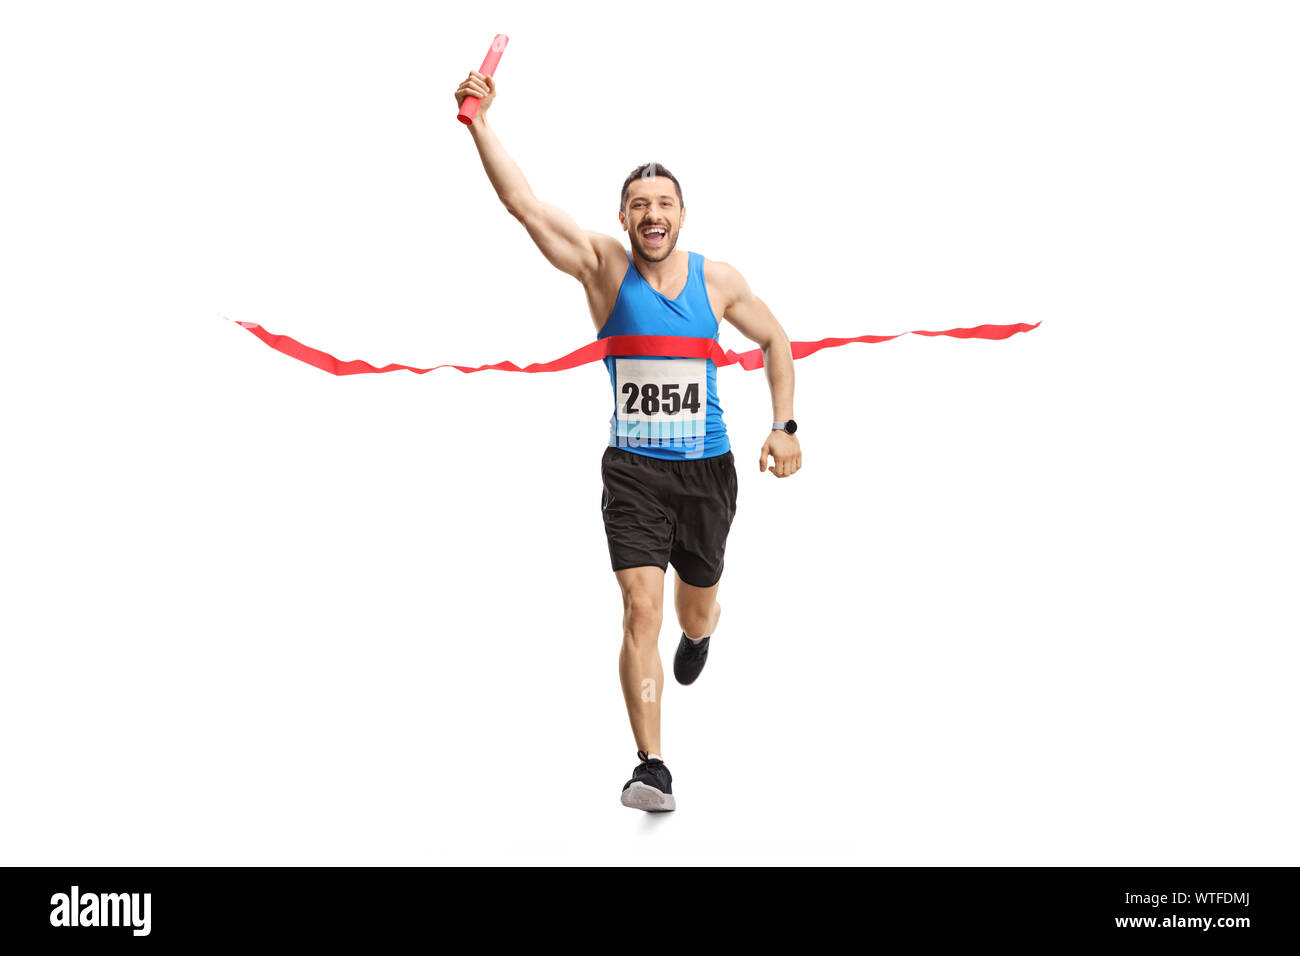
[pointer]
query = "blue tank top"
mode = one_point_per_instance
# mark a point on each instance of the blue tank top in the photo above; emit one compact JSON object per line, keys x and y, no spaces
{"x":665,"y":407}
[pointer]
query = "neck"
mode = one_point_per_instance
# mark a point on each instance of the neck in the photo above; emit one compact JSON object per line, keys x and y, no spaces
{"x":665,"y":269}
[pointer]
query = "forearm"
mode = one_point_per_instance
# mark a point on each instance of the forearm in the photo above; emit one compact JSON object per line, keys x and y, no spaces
{"x":506,"y":178}
{"x":778,"y":365}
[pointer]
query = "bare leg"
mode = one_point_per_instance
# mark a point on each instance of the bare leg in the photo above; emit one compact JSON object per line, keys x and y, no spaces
{"x":639,"y":668}
{"x":698,"y":610}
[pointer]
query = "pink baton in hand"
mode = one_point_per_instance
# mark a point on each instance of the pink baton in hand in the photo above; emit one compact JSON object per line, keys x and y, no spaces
{"x":469,"y":105}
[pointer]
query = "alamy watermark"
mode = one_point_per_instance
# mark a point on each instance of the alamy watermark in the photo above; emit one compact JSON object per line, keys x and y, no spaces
{"x":101,"y":909}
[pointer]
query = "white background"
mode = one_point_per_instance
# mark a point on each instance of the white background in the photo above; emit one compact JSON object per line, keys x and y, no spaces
{"x":1028,"y":602}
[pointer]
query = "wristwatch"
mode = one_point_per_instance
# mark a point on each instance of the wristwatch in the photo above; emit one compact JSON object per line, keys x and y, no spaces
{"x":787,"y":427}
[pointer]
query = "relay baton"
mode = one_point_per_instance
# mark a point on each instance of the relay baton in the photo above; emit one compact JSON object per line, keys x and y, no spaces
{"x":469,"y":105}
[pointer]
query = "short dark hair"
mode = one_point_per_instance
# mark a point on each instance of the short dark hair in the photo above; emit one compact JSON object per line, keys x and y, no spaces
{"x":645,"y":171}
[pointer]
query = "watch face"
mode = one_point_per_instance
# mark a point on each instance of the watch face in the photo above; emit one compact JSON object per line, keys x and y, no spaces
{"x":790,"y":426}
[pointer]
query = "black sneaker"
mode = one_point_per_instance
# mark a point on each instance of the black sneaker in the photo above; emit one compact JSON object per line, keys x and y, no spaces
{"x":690,"y":659}
{"x":651,"y":786}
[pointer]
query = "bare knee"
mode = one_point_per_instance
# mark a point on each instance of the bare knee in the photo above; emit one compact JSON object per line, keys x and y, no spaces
{"x":643,"y":616}
{"x":695,"y":622}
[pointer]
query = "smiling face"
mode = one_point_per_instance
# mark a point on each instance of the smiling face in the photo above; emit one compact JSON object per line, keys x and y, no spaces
{"x":653,"y":217}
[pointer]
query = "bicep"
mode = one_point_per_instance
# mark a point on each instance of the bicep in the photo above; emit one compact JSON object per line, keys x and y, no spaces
{"x":746,"y":311}
{"x":561,"y":240}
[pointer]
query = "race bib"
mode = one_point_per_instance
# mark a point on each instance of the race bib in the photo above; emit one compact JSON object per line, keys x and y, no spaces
{"x":661,"y":401}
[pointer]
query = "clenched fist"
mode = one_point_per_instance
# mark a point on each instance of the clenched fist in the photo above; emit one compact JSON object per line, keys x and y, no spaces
{"x":477,"y":84}
{"x":784,"y":450}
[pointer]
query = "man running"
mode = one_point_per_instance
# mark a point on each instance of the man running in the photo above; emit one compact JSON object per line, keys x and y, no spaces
{"x":668,"y":475}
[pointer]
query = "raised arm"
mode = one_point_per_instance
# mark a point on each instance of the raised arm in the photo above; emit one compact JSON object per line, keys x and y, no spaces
{"x":566,"y":246}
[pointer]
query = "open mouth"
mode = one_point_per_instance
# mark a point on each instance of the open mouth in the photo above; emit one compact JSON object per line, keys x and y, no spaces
{"x":654,"y":235}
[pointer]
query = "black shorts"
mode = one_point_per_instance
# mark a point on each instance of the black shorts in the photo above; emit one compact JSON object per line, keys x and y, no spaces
{"x":661,"y":511}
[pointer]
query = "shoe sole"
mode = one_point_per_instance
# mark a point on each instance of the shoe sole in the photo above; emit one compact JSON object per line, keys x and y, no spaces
{"x":689,"y":681}
{"x":640,"y":796}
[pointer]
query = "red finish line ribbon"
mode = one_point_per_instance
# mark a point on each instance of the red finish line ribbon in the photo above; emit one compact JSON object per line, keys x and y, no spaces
{"x":670,"y":345}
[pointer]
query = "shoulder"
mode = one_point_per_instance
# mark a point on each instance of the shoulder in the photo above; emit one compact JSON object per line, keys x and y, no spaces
{"x":727,"y":280}
{"x":609,"y":251}
{"x":611,"y":269}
